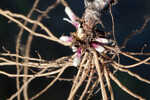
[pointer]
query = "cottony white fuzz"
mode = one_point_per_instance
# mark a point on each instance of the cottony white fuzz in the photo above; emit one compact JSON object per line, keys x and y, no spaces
{"x":66,"y":38}
{"x":101,"y":3}
{"x":97,"y":4}
{"x":104,"y":2}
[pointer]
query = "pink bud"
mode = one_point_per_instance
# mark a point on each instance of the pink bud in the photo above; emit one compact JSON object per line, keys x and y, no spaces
{"x":98,"y":47}
{"x":66,"y":38}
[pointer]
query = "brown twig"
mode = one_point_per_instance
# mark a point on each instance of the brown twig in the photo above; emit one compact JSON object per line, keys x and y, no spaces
{"x":51,"y":83}
{"x":147,"y":19}
{"x":133,"y":65}
{"x":132,"y":74}
{"x":51,"y":37}
{"x":99,"y":72}
{"x":108,"y":83}
{"x":124,"y":88}
{"x":81,"y":79}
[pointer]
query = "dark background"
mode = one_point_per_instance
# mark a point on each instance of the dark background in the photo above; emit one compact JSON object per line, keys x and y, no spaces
{"x":129,"y":16}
